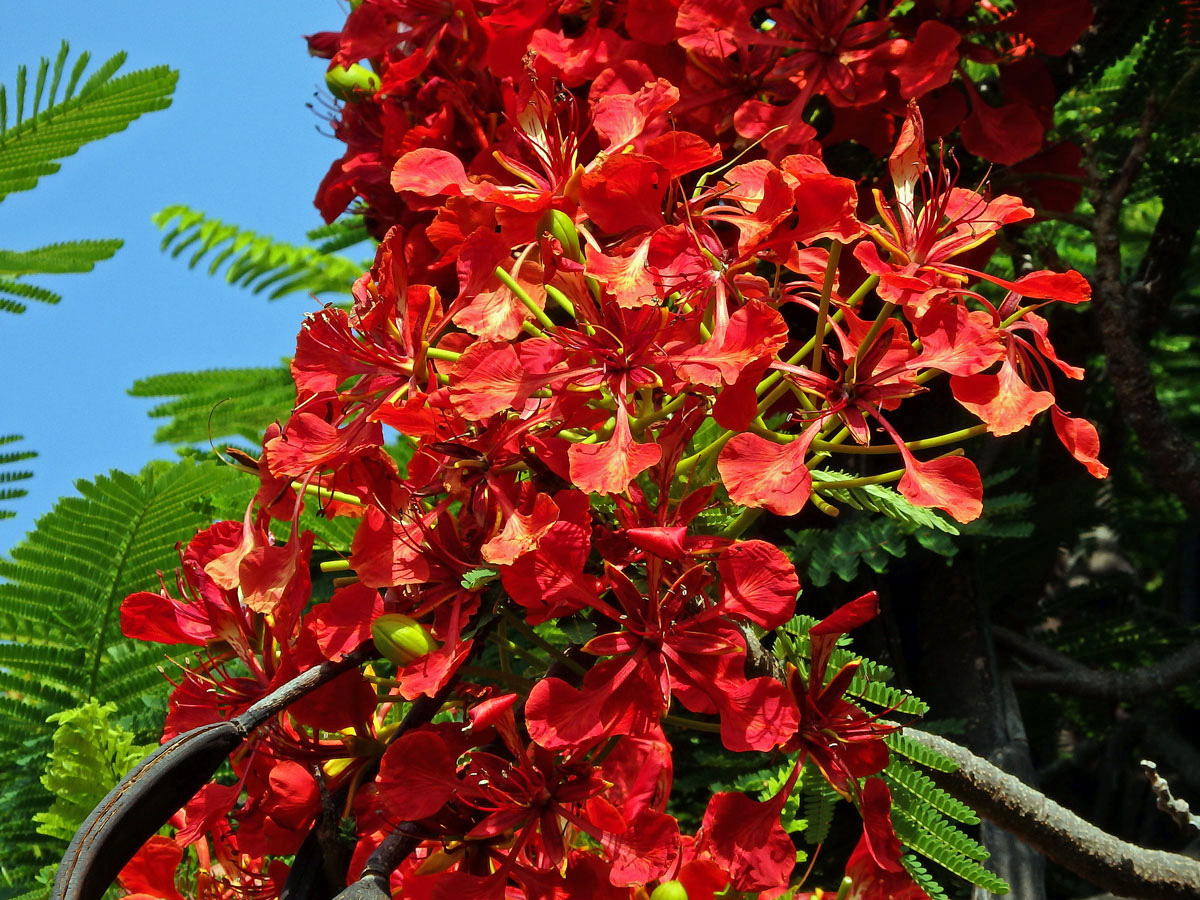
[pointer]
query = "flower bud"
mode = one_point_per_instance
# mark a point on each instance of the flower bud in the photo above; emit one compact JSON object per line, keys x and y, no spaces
{"x":558,"y":224}
{"x":669,"y":890}
{"x":352,"y":83}
{"x":401,"y":639}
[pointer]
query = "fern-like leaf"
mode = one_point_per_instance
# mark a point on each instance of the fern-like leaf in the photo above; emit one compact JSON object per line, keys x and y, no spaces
{"x":941,"y":847}
{"x":58,"y":259}
{"x":920,"y":786}
{"x":339,"y":235}
{"x":819,"y":801}
{"x":103,"y":105}
{"x":900,"y":743}
{"x":60,"y":593}
{"x":91,"y":752}
{"x":12,"y":476}
{"x":254,"y":261}
{"x":219,"y":403}
{"x":26,"y":292}
{"x":881,"y":499}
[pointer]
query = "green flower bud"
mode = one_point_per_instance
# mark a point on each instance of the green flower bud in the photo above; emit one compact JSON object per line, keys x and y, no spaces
{"x":401,"y":639}
{"x":558,"y":224}
{"x":352,"y":83}
{"x":669,"y":890}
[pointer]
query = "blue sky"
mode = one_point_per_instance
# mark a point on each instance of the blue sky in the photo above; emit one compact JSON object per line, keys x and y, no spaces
{"x":238,"y":142}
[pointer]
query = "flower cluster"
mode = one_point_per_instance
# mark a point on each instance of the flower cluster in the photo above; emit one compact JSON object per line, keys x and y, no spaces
{"x":609,"y":344}
{"x":797,"y":77}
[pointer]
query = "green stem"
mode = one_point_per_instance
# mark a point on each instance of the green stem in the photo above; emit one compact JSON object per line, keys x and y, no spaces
{"x":689,"y":462}
{"x":538,"y":313}
{"x":561,"y":299}
{"x":894,"y":475}
{"x":835,"y":253}
{"x":739,"y":525}
{"x":924,"y":444}
{"x":438,"y":353}
{"x":327,"y":494}
{"x":335,"y":565}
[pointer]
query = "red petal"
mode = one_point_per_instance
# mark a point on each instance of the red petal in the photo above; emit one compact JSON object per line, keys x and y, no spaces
{"x":1081,"y":440}
{"x":521,"y":533}
{"x":1002,"y":134}
{"x":1004,"y":401}
{"x":609,"y":467}
{"x":645,"y":850}
{"x":417,"y":775}
{"x":488,"y":379}
{"x":951,"y":483}
{"x":746,"y":839}
{"x":760,"y":473}
{"x":758,"y":582}
{"x":930,"y":59}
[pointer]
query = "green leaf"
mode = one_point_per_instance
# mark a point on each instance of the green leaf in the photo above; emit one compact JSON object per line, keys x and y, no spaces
{"x":105,"y":104}
{"x":218,"y":403}
{"x":10,"y":476}
{"x":58,"y":259}
{"x":900,"y":743}
{"x":882,"y":499}
{"x":90,"y":754}
{"x":254,"y":261}
{"x":60,"y":595}
{"x":25,"y":291}
{"x":900,"y":775}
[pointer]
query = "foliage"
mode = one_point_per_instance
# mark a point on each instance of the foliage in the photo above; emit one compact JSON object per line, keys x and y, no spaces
{"x":258,"y":262}
{"x":91,"y":752}
{"x":33,"y":146}
{"x":59,"y":596}
{"x":220,"y":403}
{"x":9,"y":476}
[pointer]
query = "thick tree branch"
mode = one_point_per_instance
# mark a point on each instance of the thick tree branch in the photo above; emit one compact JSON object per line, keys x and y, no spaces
{"x":1094,"y":855}
{"x":1068,"y":676}
{"x":1173,"y":457}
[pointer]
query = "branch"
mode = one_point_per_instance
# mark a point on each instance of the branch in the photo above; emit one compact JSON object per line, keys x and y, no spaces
{"x":1067,"y":676}
{"x":1172,"y":455}
{"x":1094,"y":855}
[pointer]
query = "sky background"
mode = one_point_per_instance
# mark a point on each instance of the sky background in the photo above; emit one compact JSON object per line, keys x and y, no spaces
{"x":238,"y":142}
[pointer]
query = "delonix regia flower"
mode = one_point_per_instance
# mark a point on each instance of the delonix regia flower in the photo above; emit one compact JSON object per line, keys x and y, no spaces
{"x":618,"y":297}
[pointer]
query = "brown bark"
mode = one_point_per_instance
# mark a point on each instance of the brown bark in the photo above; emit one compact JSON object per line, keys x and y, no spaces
{"x":1068,"y":676}
{"x":1094,"y":855}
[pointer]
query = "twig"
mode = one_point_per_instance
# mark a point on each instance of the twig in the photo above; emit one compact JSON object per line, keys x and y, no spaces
{"x":1174,"y":807}
{"x":1094,"y":855}
{"x":1068,"y":676}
